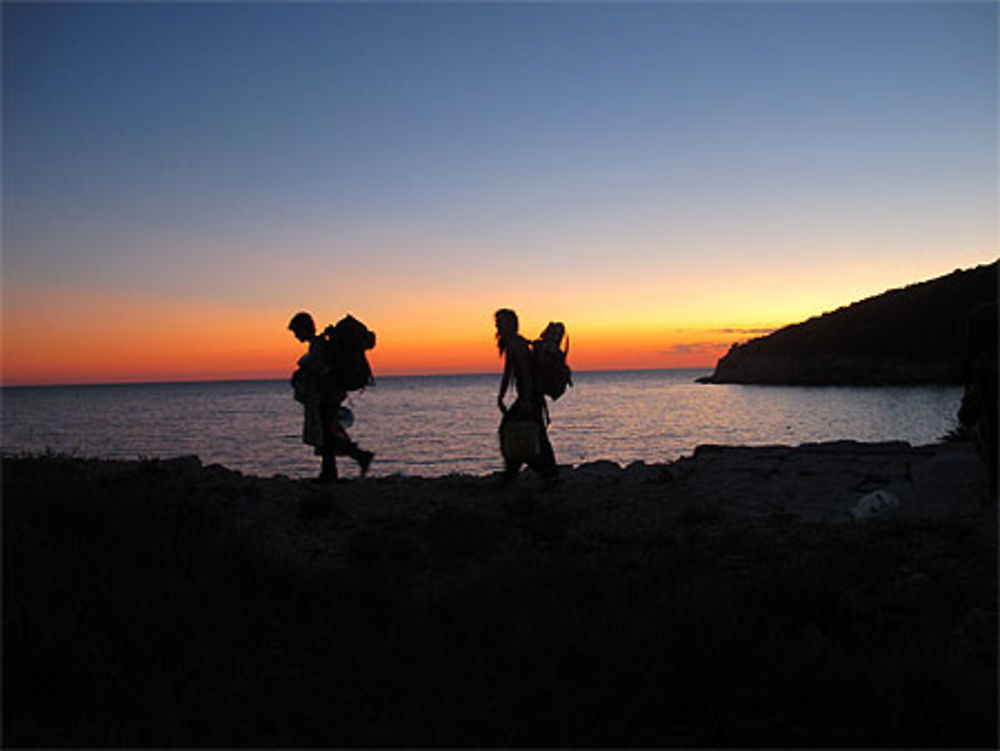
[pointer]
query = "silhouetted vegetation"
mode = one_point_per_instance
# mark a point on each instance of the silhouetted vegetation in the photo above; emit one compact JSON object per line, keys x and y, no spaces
{"x":916,"y":334}
{"x":135,"y":616}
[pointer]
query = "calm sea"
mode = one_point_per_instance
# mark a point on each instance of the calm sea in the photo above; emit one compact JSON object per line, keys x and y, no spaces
{"x":437,"y":425}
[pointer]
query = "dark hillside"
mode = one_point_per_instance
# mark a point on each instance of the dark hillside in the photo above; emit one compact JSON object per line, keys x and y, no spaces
{"x":916,"y":334}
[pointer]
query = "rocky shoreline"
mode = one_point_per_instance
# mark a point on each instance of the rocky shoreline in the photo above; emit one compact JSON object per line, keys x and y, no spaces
{"x":825,"y":595}
{"x":834,"y":482}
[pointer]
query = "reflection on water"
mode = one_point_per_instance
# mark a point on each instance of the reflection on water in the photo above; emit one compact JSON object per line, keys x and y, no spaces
{"x":442,"y":424}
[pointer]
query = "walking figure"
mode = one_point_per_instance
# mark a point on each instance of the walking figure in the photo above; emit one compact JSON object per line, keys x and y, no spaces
{"x":334,"y":364}
{"x":534,"y":372}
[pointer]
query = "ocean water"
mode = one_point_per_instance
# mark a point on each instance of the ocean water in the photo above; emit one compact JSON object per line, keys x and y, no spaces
{"x":438,"y":425}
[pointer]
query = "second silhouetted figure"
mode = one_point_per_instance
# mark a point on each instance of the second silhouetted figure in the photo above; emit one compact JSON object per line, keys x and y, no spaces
{"x":535,"y":370}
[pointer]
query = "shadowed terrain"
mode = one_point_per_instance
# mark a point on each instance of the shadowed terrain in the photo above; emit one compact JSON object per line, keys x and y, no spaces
{"x":163,"y":603}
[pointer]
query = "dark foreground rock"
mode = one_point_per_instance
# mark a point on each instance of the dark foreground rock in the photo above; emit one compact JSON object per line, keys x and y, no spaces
{"x":738,"y":597}
{"x":823,"y":482}
{"x":834,"y":482}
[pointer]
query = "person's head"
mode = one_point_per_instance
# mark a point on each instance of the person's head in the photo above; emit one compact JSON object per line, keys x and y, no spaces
{"x":302,"y":326}
{"x":506,"y":321}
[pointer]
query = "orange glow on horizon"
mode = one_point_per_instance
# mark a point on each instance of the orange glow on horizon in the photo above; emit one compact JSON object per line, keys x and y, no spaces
{"x":191,"y":353}
{"x":114,"y":339}
{"x":61,"y":334}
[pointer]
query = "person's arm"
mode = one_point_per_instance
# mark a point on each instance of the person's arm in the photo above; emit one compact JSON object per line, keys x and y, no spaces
{"x":524,"y":368}
{"x":504,"y":384}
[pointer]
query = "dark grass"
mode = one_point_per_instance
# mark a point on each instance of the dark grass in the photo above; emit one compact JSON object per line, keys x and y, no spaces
{"x":134,"y":616}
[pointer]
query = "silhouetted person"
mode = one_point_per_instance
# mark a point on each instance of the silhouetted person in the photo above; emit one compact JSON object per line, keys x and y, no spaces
{"x":317,"y":389}
{"x":978,"y":413}
{"x":529,"y":406}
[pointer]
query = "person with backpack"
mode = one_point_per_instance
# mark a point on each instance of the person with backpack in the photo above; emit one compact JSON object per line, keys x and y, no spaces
{"x":523,"y":427}
{"x":325,"y":374}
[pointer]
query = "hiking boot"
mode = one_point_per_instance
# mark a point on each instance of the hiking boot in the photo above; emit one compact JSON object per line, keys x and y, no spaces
{"x":328,"y":472}
{"x":365,"y":461}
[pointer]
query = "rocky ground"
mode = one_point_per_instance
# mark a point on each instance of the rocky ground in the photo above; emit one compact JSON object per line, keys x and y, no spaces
{"x":828,"y":595}
{"x":842,"y":482}
{"x":834,"y":482}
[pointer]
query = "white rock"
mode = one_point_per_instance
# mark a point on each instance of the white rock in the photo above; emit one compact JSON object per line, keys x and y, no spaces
{"x":874,"y":504}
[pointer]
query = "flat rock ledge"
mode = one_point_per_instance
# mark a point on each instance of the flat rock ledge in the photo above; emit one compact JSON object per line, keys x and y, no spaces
{"x":836,"y":481}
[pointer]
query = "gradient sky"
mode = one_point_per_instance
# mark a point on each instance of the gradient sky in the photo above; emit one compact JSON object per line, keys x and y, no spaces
{"x":666,"y":178}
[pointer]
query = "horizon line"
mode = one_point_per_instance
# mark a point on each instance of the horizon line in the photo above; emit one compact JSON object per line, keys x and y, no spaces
{"x":193,"y":381}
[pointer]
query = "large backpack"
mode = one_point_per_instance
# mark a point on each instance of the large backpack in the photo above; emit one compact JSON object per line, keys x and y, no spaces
{"x":348,"y":340}
{"x":551,"y":372}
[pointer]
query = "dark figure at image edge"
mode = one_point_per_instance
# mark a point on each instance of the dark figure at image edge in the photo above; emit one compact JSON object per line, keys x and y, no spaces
{"x":529,"y":406}
{"x":978,"y":412}
{"x":319,"y":389}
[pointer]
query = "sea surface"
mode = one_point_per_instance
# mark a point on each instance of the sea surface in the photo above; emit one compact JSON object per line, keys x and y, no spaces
{"x":439,"y":425}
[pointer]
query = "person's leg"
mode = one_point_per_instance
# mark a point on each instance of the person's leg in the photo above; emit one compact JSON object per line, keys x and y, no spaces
{"x":362,"y":457}
{"x":511,"y":467}
{"x":328,"y":451}
{"x":545,"y":464}
{"x":344,"y":446}
{"x":328,"y":470}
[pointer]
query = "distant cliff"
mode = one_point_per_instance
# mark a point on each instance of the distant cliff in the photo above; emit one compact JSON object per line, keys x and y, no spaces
{"x":912,"y":335}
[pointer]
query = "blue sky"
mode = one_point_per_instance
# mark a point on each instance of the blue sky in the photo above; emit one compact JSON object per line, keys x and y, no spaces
{"x":265,"y":154}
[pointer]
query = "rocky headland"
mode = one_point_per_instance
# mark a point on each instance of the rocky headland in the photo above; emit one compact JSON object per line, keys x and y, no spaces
{"x":914,"y":335}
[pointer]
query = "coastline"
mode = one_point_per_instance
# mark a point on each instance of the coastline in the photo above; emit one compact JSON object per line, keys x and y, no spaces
{"x":163,"y":602}
{"x":811,"y":483}
{"x":656,"y":416}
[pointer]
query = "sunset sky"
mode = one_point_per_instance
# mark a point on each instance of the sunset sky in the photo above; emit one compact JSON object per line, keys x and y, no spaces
{"x":665,"y":178}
